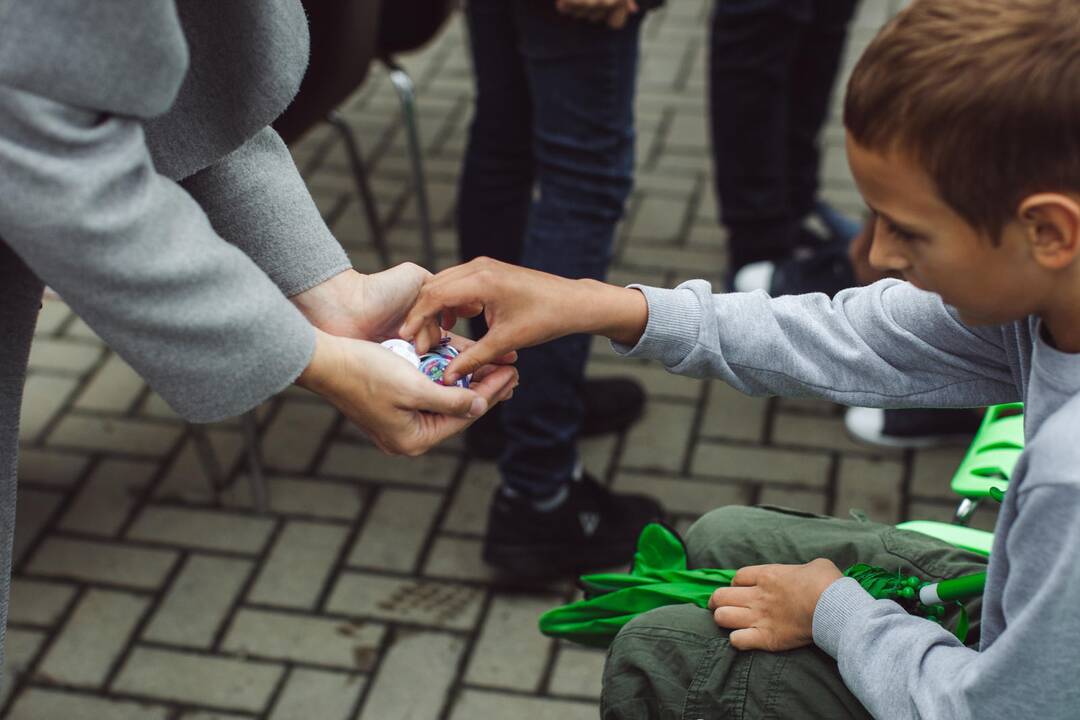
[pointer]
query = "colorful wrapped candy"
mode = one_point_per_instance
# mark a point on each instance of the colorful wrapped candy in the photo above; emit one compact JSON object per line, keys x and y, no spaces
{"x":433,"y":363}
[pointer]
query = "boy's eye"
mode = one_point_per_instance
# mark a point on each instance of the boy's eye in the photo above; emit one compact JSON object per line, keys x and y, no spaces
{"x":900,"y":233}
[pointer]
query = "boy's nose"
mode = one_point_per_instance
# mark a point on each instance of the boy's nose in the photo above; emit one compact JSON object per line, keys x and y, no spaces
{"x":885,"y":253}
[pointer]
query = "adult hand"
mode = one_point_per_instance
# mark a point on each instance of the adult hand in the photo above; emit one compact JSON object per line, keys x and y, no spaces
{"x":614,"y":12}
{"x":771,"y":607}
{"x":367,"y":307}
{"x":522,"y":307}
{"x":399,"y":408}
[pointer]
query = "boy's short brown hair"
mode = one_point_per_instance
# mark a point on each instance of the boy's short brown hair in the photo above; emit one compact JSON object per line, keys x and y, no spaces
{"x":983,"y":94}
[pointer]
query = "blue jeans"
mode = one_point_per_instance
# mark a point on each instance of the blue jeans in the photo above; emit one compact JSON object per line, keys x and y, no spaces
{"x":547,"y":172}
{"x":772,"y":66}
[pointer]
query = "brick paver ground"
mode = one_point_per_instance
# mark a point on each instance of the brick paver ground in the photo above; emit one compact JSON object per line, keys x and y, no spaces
{"x":140,"y":594}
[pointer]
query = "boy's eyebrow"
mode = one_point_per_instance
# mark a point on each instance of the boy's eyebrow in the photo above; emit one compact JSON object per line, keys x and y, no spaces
{"x":893,"y":221}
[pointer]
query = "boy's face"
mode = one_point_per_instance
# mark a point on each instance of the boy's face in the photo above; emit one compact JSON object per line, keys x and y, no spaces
{"x":931,"y":246}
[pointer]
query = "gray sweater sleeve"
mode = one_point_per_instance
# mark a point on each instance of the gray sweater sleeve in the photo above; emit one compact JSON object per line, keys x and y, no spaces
{"x":902,"y":667}
{"x":256,"y":199}
{"x":885,"y":345}
{"x":136,"y":257}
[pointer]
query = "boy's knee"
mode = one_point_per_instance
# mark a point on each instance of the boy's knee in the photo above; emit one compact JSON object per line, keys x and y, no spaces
{"x":731,"y":522}
{"x":652,"y":662}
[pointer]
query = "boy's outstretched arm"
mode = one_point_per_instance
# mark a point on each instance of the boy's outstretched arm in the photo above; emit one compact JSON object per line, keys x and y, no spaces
{"x":522,"y":307}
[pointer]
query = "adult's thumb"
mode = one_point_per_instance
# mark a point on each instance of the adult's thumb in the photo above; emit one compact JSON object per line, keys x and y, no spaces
{"x":454,"y":401}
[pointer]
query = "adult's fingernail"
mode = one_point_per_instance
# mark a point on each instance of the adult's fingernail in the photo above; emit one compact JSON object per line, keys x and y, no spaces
{"x":478,"y":407}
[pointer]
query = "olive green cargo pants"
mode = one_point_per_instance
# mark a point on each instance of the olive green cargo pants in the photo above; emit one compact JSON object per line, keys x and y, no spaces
{"x":674,"y":663}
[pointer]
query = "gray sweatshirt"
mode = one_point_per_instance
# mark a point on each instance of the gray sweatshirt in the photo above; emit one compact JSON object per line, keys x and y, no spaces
{"x":891,"y":345}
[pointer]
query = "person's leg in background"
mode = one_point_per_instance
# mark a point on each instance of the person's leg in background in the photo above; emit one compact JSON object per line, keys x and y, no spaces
{"x":772,"y":68}
{"x":549,"y":517}
{"x":675,"y":662}
{"x":495,"y":197}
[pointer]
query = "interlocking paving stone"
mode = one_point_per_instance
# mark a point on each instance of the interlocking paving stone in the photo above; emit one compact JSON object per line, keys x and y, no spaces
{"x":103,"y":504}
{"x":301,"y":496}
{"x":201,"y":679}
{"x":656,"y":381}
{"x":114,"y":434}
{"x":186,"y":478}
{"x":33,"y":508}
{"x":299,"y":564}
{"x":102,"y":562}
{"x":683,"y":495}
{"x":369,"y":463}
{"x":201,"y":529}
{"x":113,"y":388}
{"x":485,"y":704}
{"x":20,"y":647}
{"x":818,"y":432}
{"x":304,"y":638}
{"x":43,"y":397}
{"x":92,"y":638}
{"x":872,"y":486}
{"x":49,"y":467}
{"x":933,"y":469}
{"x":659,"y":440}
{"x":426,"y":602}
{"x":316,"y":694}
{"x":761,"y":463}
{"x":395,"y":529}
{"x":63,"y":355}
{"x":40,"y":704}
{"x":578,"y":672}
{"x":414,"y":678}
{"x":458,"y":559}
{"x":510,"y":652}
{"x":469,"y":510}
{"x":295,"y":434}
{"x":731,"y":414}
{"x":195,"y":606}
{"x":54,"y":313}
{"x":38,"y":602}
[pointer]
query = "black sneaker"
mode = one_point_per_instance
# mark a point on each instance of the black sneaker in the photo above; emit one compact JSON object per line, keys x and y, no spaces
{"x":611,"y":405}
{"x":591,"y":529}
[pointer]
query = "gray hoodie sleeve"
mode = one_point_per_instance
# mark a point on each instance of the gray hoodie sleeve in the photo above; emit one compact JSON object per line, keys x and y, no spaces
{"x":256,"y":199}
{"x":885,"y":345}
{"x":904,"y":667}
{"x":135,"y":256}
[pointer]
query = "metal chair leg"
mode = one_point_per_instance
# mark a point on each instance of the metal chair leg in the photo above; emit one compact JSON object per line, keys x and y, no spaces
{"x":260,"y":494}
{"x":406,"y":91}
{"x":210,"y":466}
{"x":964,"y":511}
{"x":363,"y":187}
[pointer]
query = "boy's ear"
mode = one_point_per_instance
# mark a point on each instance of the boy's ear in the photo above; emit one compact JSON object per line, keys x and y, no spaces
{"x":1051,"y":223}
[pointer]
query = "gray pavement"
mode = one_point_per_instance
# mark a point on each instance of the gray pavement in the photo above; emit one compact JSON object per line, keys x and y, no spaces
{"x":140,"y":593}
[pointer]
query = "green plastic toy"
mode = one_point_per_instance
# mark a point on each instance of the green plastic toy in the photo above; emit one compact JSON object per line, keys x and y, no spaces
{"x":659,"y":577}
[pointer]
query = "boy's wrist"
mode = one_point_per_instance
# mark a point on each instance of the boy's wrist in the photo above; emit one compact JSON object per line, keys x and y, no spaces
{"x":617,"y":313}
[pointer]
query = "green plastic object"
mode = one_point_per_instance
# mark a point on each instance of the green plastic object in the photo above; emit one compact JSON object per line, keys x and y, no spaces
{"x":977,"y":541}
{"x":993,"y":452}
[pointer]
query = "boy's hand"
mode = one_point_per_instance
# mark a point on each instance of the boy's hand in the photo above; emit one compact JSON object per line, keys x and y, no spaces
{"x":399,"y":408}
{"x":522,"y":307}
{"x":614,"y":12}
{"x":771,"y":607}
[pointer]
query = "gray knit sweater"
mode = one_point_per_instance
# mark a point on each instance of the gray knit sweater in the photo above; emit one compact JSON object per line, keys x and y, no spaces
{"x":891,"y":345}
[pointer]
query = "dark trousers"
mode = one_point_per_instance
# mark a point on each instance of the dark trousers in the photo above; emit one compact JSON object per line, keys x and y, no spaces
{"x":547,"y":172}
{"x":772,"y":65}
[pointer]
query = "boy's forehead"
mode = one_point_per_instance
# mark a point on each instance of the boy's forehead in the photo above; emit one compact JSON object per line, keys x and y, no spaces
{"x":894,"y":182}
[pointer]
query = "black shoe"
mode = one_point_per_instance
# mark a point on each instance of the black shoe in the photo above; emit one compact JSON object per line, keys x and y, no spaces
{"x":592,"y":529}
{"x":611,"y":405}
{"x":825,"y":269}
